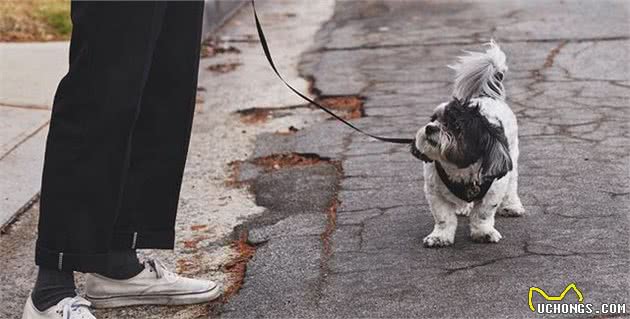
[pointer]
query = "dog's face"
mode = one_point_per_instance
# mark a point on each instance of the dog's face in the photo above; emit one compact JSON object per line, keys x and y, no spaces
{"x":460,"y":135}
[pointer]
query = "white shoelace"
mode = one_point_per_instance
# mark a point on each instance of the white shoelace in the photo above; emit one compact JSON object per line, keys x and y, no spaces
{"x":77,"y":304}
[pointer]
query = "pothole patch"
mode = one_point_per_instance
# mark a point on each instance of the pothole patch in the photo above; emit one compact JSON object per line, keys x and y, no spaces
{"x":257,"y":115}
{"x":212,"y":47}
{"x":279,"y":161}
{"x":347,"y":107}
{"x":272,"y":163}
{"x":223,"y":67}
{"x":236,"y":268}
{"x":350,"y":105}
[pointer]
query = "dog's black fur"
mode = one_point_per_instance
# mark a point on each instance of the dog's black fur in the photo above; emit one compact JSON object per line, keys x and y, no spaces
{"x":475,"y":139}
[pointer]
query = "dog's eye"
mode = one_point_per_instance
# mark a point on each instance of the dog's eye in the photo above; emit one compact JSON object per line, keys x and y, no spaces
{"x":433,"y":117}
{"x":431,"y":129}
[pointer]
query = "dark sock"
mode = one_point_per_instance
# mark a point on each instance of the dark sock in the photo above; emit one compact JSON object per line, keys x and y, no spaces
{"x":51,"y":287}
{"x":123,"y":264}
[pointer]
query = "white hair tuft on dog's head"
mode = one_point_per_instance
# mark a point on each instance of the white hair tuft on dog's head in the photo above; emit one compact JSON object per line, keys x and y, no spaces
{"x":480,"y":74}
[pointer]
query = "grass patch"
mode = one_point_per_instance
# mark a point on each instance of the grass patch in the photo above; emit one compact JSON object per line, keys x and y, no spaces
{"x":57,"y":16}
{"x":34,"y":20}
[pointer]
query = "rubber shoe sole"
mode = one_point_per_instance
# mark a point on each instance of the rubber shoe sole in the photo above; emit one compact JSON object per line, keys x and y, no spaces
{"x":182,"y":299}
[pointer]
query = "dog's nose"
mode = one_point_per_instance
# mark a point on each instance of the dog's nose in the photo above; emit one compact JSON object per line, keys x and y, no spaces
{"x":430,"y":129}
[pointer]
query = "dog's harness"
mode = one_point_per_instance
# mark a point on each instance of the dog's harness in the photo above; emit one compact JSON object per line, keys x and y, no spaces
{"x":467,"y":192}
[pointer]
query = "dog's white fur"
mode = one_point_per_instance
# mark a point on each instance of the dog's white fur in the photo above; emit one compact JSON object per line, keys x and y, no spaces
{"x":476,"y":75}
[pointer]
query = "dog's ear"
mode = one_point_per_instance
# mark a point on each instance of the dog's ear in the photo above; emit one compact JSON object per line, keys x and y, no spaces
{"x":496,"y":160}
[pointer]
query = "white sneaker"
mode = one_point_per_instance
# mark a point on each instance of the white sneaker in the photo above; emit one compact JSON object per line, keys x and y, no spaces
{"x":68,"y":308}
{"x":155,"y":285}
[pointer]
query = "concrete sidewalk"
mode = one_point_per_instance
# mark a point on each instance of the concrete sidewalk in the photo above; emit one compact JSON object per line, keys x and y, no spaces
{"x":28,"y":79}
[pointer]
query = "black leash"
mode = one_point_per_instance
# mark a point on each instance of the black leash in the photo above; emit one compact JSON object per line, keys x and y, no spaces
{"x":265,"y":46}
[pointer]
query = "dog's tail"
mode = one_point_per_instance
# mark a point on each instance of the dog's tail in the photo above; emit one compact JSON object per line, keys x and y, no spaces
{"x":480,"y":73}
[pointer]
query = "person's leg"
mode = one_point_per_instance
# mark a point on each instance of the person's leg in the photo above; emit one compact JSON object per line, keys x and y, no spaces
{"x":51,"y":287}
{"x":160,"y":142}
{"x":158,"y":155}
{"x":161,"y":136}
{"x":123,"y":264}
{"x":87,"y":152}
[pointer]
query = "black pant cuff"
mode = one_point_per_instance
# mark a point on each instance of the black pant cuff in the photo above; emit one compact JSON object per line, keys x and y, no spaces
{"x":66,"y":261}
{"x":144,"y":240}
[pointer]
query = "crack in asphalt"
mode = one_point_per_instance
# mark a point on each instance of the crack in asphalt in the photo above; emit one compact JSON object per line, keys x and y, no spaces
{"x":527,"y":252}
{"x":552,"y":55}
{"x":565,"y":130}
{"x":331,"y":225}
{"x":383,"y":208}
{"x":616,"y":194}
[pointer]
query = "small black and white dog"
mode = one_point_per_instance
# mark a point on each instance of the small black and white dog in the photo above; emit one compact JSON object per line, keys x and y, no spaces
{"x":470,"y":149}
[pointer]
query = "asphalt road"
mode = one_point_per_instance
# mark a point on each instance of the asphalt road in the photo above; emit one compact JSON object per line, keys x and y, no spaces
{"x":569,"y":84}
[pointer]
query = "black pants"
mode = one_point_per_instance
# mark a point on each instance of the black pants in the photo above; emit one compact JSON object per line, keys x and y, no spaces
{"x":119,"y":132}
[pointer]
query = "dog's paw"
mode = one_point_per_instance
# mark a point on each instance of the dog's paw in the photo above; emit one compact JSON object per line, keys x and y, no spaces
{"x":437,"y":240}
{"x":486,"y":236}
{"x":464,"y":210}
{"x":511,"y":211}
